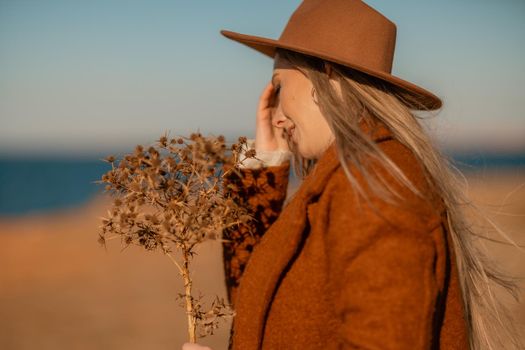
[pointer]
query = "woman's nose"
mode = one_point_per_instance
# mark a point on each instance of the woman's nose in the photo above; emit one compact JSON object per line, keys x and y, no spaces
{"x":279,"y":120}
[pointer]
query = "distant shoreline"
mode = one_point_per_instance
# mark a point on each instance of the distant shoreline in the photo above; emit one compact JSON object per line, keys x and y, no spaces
{"x":35,"y":185}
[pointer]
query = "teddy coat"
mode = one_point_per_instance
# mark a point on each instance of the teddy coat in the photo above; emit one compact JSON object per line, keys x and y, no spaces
{"x":326,"y":271}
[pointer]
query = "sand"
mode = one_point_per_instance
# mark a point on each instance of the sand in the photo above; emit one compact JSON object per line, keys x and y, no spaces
{"x":59,"y":289}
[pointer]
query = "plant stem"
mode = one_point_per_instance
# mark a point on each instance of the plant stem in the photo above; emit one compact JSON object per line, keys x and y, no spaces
{"x":175,"y":262}
{"x":189,"y":299}
{"x":185,"y":273}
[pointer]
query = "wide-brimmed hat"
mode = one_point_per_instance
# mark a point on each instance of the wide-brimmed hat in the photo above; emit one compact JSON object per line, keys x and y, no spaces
{"x":347,"y":32}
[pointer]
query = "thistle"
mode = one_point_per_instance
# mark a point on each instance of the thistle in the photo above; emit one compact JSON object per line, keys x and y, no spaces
{"x":171,"y":195}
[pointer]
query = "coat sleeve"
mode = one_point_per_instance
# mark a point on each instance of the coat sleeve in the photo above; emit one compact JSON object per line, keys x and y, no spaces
{"x":264,"y":158}
{"x":262,"y":191}
{"x":382,"y":275}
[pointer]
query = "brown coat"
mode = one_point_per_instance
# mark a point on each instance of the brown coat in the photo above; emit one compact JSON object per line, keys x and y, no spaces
{"x":327,"y":272}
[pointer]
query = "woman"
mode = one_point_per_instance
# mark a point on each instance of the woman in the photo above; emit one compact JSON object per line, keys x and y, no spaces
{"x":373,"y":250}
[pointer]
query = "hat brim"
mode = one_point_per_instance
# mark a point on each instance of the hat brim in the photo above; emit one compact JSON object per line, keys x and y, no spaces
{"x":267,"y":47}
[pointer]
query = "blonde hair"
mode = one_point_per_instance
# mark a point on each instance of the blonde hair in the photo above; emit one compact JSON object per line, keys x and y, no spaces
{"x":372,"y":99}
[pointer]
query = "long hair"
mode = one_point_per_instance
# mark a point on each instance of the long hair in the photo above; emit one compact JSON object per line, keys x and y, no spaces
{"x":366,"y":99}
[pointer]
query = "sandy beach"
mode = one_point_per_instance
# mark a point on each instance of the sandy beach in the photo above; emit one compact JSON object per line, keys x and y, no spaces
{"x":59,"y":289}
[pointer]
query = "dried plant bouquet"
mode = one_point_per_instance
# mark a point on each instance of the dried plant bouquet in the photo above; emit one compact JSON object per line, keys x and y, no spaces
{"x":171,"y":195}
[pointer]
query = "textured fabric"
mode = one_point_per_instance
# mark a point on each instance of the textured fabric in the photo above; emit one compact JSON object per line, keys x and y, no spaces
{"x":263,"y":192}
{"x":328,"y":272}
{"x":264,"y":158}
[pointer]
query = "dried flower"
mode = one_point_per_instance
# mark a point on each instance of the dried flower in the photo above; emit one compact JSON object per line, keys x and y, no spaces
{"x":172,"y":195}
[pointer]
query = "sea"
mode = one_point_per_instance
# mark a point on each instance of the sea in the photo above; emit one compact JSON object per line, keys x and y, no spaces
{"x":45,"y":184}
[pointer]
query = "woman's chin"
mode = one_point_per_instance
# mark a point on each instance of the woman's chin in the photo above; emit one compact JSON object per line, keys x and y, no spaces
{"x":304,"y":153}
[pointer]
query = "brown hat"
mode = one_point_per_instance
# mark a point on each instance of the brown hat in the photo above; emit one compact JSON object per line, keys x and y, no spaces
{"x":347,"y":32}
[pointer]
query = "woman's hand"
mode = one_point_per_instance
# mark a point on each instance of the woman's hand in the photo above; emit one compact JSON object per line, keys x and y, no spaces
{"x":194,"y":346}
{"x":267,"y":136}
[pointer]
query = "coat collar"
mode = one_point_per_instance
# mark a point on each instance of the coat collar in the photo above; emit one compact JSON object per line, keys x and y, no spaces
{"x":278,"y":246}
{"x":314,"y":183}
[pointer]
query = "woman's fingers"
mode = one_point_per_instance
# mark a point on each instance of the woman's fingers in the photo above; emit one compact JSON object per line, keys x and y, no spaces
{"x":264,"y":134}
{"x":194,"y":346}
{"x":267,"y":136}
{"x":266,"y":103}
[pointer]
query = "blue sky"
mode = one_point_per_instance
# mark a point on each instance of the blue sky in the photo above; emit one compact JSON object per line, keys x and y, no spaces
{"x":81,"y":77}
